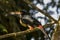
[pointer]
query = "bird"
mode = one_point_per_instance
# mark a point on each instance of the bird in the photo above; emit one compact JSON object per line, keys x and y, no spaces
{"x":28,"y":21}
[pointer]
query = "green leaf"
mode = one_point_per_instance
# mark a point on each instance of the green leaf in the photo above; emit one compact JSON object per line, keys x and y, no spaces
{"x":3,"y":29}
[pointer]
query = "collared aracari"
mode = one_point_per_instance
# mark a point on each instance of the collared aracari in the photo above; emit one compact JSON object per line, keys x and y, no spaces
{"x":27,"y":20}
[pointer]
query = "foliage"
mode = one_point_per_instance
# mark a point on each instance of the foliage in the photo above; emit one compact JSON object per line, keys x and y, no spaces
{"x":10,"y":23}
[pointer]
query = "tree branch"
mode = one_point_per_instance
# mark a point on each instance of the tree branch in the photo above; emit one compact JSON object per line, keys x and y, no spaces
{"x":45,"y":13}
{"x":17,"y":33}
{"x":22,"y":33}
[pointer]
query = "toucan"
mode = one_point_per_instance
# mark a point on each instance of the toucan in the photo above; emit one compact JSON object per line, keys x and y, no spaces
{"x":28,"y":21}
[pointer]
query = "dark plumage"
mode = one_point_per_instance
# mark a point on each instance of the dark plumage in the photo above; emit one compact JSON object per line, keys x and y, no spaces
{"x":32,"y":22}
{"x":27,"y":19}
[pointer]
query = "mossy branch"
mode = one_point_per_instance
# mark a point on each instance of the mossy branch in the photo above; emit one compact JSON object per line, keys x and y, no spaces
{"x":17,"y":33}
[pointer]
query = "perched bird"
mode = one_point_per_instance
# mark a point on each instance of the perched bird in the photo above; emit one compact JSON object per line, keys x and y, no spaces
{"x":28,"y":21}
